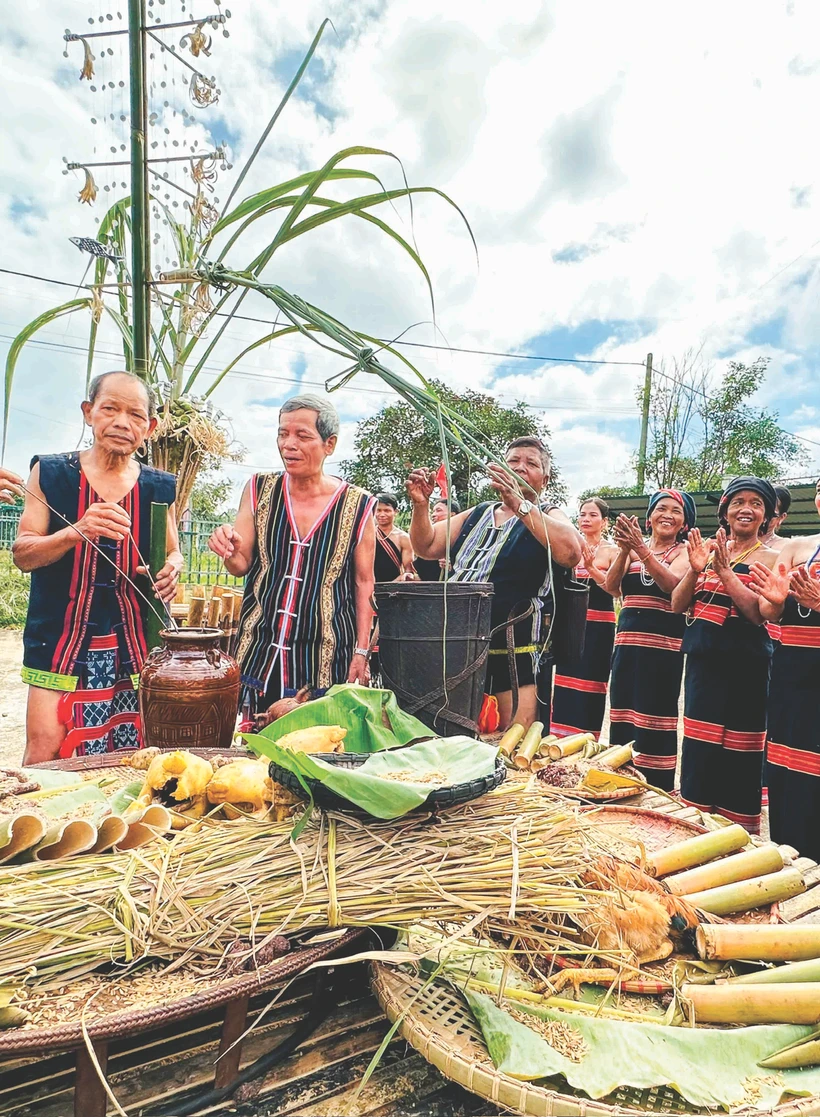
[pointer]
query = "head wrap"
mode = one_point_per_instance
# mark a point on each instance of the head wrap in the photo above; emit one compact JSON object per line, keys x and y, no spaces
{"x":690,"y":515}
{"x":764,"y":489}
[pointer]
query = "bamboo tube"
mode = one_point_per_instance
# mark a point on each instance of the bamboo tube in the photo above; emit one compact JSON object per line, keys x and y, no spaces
{"x":696,"y":851}
{"x":757,"y":942}
{"x":803,"y":1053}
{"x":511,"y":739}
{"x":539,"y":762}
{"x":179,"y":595}
{"x":19,"y":833}
{"x":747,"y":894}
{"x":529,"y":745}
{"x":197,"y":590}
{"x":65,"y":840}
{"x":196,"y":612}
{"x":213,"y":612}
{"x":158,"y":547}
{"x":756,"y":862}
{"x":569,"y":745}
{"x":807,"y":970}
{"x":544,"y":747}
{"x":615,"y":758}
{"x":110,"y":832}
{"x":754,"y":1004}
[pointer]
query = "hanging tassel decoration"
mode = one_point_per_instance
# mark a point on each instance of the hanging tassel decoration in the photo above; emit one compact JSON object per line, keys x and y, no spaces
{"x":87,"y":72}
{"x":88,"y":194}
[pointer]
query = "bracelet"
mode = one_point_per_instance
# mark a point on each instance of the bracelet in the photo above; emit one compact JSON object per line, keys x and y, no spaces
{"x":362,"y":651}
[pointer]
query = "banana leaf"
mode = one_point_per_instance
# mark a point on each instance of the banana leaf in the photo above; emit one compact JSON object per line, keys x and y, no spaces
{"x":458,"y":759}
{"x":49,"y":778}
{"x":707,"y":1067}
{"x":61,"y":806}
{"x":373,"y":719}
{"x":122,"y":799}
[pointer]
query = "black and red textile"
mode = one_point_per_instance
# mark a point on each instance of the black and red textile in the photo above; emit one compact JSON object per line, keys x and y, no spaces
{"x":579,"y":694}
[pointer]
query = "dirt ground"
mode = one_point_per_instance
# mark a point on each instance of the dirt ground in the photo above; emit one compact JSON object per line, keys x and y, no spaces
{"x":12,"y":697}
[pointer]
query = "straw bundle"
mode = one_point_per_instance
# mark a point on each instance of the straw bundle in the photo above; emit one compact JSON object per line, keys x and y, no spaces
{"x":511,"y":855}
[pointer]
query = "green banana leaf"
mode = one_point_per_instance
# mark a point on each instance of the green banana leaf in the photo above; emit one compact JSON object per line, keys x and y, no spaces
{"x":459,"y":759}
{"x":122,"y":799}
{"x":373,"y":719}
{"x":61,"y":806}
{"x":49,"y":778}
{"x":708,"y":1067}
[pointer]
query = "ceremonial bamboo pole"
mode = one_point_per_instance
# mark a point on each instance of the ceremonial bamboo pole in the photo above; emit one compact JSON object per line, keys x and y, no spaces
{"x":156,"y":561}
{"x":755,"y":862}
{"x":757,"y":942}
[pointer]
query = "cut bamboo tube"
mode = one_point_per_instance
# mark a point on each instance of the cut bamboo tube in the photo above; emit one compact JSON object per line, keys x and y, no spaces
{"x":196,"y":612}
{"x":529,"y":745}
{"x":213,"y":613}
{"x":696,"y":851}
{"x":567,"y":746}
{"x":19,"y":833}
{"x":754,"y":1004}
{"x":747,"y":894}
{"x":110,"y":832}
{"x":757,"y":942}
{"x":511,"y":739}
{"x":544,"y":747}
{"x":803,"y":1053}
{"x":615,"y":758}
{"x":807,"y":970}
{"x":755,"y":862}
{"x":65,"y":839}
{"x":538,"y":763}
{"x":197,"y":590}
{"x":179,"y":596}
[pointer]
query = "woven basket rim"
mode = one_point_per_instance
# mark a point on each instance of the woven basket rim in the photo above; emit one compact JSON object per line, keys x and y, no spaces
{"x":400,"y":996}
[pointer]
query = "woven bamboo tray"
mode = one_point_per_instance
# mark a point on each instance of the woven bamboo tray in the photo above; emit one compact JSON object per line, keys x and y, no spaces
{"x":606,"y":796}
{"x":436,"y":1021}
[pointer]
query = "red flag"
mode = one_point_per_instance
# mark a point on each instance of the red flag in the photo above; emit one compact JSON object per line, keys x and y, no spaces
{"x":441,"y":481}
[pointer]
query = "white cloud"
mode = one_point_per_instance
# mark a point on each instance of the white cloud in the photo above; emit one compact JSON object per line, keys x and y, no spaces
{"x":665,"y":150}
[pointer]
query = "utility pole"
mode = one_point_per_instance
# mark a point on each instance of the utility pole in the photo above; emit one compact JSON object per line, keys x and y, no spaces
{"x":140,"y":238}
{"x":647,"y":394}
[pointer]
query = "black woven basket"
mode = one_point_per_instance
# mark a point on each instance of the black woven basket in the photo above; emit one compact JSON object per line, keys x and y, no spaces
{"x":436,"y":800}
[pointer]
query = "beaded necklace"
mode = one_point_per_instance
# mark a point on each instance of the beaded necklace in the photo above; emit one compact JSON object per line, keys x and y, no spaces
{"x":690,"y":615}
{"x":647,"y":579}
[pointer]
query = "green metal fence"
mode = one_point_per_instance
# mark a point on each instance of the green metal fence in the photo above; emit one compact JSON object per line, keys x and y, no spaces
{"x":200,"y":564}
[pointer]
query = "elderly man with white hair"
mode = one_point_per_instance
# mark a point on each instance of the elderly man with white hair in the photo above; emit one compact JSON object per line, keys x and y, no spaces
{"x":305,"y":542}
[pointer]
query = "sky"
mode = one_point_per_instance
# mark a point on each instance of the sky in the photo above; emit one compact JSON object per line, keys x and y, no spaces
{"x":638,"y":178}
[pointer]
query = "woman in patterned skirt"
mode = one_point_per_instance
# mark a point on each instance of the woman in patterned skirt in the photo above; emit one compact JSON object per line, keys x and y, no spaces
{"x":728,"y":658}
{"x":84,"y":642}
{"x":790,"y":595}
{"x":579,"y":697}
{"x":647,"y":663}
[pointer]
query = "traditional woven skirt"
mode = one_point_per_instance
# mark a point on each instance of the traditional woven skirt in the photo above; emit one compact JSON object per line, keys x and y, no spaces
{"x":102,"y":714}
{"x":579,"y":697}
{"x":724,"y":727}
{"x":793,"y":744}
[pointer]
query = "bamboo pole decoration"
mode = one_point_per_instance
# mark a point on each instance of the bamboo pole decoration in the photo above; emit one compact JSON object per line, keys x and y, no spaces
{"x":156,"y":560}
{"x":754,"y":1004}
{"x":755,"y":862}
{"x":745,"y":895}
{"x":529,"y":745}
{"x":757,"y":942}
{"x":213,"y":612}
{"x":696,"y":851}
{"x":568,"y":746}
{"x":807,"y":970}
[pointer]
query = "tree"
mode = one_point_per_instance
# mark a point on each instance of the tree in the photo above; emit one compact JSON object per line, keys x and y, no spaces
{"x":701,"y":433}
{"x":209,"y":499}
{"x":398,"y":436}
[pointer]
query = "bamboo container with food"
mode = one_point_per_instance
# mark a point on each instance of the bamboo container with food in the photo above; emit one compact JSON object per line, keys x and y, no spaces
{"x":744,"y":895}
{"x":757,"y":942}
{"x":615,"y":757}
{"x":755,"y":862}
{"x":696,"y":851}
{"x":568,"y":746}
{"x":529,"y":745}
{"x":754,"y":1004}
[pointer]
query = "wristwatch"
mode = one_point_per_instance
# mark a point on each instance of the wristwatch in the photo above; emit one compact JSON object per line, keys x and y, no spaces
{"x":525,"y":507}
{"x":362,"y":651}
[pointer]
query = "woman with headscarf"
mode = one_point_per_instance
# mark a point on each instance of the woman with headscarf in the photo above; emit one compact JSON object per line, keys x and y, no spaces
{"x":728,"y":657}
{"x":579,"y":696}
{"x":790,"y":597}
{"x":647,"y":663}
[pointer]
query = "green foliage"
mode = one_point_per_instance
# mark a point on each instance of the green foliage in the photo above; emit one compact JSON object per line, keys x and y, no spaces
{"x":398,"y":436}
{"x":702,"y":432}
{"x":607,"y":491}
{"x":209,"y":499}
{"x":14,"y":589}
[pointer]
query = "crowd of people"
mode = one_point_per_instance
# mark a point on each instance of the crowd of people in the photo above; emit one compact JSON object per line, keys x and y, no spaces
{"x":740,"y":610}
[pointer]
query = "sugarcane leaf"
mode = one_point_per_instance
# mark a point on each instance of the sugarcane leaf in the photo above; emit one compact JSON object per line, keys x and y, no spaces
{"x":20,"y":340}
{"x":122,"y":325}
{"x":297,"y":77}
{"x":249,"y":349}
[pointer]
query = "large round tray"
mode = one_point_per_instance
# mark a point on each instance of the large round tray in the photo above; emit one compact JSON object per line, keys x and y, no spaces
{"x":442,"y":797}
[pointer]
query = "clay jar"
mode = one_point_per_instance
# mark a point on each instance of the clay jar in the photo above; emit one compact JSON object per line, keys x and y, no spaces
{"x":189,"y":691}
